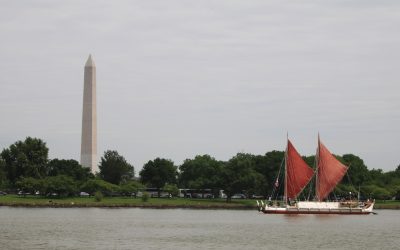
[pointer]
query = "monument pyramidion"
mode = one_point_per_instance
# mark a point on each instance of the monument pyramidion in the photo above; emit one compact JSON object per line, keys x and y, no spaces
{"x":89,"y":118}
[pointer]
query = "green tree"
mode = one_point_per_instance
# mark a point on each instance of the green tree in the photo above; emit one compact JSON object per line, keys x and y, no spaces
{"x":376,"y":192}
{"x":268,"y":166}
{"x":93,"y":185}
{"x":239,"y":175}
{"x":29,"y":185}
{"x":202,"y":172}
{"x":376,"y":176}
{"x":158,"y":172}
{"x":391,"y":182}
{"x":171,"y":189}
{"x":3,"y":174}
{"x":343,"y":190}
{"x":61,"y":185}
{"x":114,"y":168}
{"x":357,"y":173}
{"x":69,"y":168}
{"x":130,"y":187}
{"x":26,"y":159}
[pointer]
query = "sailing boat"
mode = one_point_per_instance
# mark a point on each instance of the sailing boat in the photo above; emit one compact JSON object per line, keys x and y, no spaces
{"x":329,"y":171}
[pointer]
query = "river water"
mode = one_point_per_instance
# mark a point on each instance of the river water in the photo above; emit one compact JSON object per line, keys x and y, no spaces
{"x":134,"y":228}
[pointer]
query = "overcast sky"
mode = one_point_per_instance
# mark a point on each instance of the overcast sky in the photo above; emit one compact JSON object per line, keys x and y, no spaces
{"x":181,"y":78}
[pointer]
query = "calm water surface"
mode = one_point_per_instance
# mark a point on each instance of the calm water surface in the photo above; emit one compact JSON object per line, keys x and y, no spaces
{"x":131,"y":228}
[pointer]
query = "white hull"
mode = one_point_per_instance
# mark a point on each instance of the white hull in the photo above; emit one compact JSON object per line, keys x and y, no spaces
{"x":316,"y":208}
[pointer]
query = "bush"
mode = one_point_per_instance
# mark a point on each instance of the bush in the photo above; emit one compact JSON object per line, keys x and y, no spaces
{"x":145,"y":196}
{"x":98,"y":196}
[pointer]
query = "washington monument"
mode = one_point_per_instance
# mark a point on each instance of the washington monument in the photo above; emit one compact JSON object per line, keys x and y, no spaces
{"x":89,"y":118}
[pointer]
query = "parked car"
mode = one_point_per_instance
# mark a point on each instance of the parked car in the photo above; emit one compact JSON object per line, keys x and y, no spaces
{"x":84,"y":194}
{"x":165,"y":195}
{"x":22,"y":193}
{"x":3,"y":193}
{"x":239,"y":196}
{"x":153,"y":194}
{"x":208,"y":196}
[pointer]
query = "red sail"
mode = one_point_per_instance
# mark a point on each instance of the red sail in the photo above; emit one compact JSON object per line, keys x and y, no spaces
{"x":298,"y":173}
{"x":330,"y":172}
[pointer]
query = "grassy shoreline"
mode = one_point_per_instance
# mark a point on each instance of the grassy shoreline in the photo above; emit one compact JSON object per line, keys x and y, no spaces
{"x":110,"y":202}
{"x":158,"y":203}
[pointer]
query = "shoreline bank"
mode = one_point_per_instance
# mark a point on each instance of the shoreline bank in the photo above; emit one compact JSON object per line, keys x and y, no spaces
{"x":124,"y":202}
{"x":149,"y":206}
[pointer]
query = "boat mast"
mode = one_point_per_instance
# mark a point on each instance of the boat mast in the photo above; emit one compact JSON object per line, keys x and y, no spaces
{"x":285,"y":192}
{"x":316,"y":169}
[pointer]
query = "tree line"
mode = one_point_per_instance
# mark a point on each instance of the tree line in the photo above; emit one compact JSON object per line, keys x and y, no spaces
{"x":25,"y":167}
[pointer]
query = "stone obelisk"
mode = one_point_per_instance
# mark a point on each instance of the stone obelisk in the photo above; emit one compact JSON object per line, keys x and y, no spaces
{"x":89,"y":118}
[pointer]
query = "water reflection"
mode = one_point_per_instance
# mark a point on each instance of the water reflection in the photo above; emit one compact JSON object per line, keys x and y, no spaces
{"x":328,"y":217}
{"x":295,"y":217}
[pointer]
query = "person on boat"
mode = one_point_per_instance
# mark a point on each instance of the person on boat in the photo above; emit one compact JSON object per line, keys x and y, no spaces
{"x":270,"y":203}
